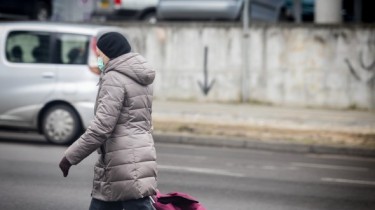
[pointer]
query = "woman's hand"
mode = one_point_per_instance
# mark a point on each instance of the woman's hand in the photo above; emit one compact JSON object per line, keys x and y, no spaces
{"x":65,"y":166}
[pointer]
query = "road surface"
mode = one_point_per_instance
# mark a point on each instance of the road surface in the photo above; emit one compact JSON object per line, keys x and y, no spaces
{"x":220,"y":178}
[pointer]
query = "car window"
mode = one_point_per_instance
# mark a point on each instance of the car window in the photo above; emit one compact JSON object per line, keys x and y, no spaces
{"x":28,"y":47}
{"x":71,"y":49}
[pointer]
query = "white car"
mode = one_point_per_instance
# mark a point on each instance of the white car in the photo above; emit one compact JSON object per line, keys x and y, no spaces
{"x":48,"y":77}
{"x":126,"y":9}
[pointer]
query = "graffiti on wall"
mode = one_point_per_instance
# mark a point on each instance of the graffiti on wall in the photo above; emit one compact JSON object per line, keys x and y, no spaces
{"x":366,"y":61}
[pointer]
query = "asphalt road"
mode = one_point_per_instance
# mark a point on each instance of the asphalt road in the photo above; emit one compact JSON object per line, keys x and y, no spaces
{"x":220,"y":178}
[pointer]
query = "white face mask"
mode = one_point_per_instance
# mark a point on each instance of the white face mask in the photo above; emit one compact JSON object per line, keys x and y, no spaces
{"x":101,"y":64}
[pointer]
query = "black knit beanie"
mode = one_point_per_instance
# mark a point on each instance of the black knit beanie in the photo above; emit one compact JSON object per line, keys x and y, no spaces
{"x":113,"y":44}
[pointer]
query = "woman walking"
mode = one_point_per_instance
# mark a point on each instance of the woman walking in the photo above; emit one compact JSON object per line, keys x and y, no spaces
{"x":125,"y":173}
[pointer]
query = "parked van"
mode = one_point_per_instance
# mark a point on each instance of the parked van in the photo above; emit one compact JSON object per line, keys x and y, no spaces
{"x":48,"y":77}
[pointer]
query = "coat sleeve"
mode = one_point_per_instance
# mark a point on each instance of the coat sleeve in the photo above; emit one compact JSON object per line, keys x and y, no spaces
{"x":110,"y":102}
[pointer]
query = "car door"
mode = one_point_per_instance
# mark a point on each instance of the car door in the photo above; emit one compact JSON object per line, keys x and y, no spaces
{"x":138,"y":5}
{"x":27,"y":76}
{"x":71,"y":54}
{"x":131,"y":4}
{"x":198,"y":9}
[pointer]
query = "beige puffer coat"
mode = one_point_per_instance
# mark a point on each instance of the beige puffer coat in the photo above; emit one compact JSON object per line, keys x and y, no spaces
{"x":122,"y":129}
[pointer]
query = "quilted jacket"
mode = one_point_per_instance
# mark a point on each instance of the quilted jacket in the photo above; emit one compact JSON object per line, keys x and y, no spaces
{"x":121,"y":132}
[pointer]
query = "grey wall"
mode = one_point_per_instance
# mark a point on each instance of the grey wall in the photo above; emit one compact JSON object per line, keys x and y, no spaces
{"x":308,"y":66}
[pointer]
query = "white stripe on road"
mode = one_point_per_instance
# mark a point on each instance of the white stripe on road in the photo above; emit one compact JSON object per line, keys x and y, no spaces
{"x":348,"y":181}
{"x":333,"y":167}
{"x":200,"y":170}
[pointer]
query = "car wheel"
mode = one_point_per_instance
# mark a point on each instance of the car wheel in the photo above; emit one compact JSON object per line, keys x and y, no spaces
{"x":41,"y":12}
{"x":150,"y":18}
{"x":61,"y":125}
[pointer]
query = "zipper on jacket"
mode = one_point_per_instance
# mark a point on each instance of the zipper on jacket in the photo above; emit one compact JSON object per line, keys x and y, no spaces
{"x":96,"y":104}
{"x":103,"y":153}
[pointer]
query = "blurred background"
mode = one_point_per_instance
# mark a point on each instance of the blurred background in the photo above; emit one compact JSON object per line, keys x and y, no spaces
{"x":348,"y":11}
{"x":258,"y":104}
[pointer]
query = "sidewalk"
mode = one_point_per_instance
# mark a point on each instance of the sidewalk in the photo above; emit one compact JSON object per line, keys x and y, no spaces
{"x":266,"y":127}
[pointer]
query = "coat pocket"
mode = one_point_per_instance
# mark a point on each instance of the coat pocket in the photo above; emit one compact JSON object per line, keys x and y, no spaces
{"x":99,"y":171}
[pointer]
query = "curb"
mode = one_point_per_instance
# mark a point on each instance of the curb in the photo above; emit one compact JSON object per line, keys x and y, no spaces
{"x":252,"y":144}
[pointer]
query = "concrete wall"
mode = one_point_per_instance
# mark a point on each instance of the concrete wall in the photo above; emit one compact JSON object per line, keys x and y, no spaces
{"x":307,"y":66}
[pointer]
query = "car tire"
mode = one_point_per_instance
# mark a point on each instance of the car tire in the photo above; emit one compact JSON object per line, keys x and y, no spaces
{"x":41,"y":12}
{"x":61,"y":125}
{"x":150,"y":18}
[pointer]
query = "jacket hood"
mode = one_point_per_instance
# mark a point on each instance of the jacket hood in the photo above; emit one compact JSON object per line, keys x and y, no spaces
{"x":134,"y":66}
